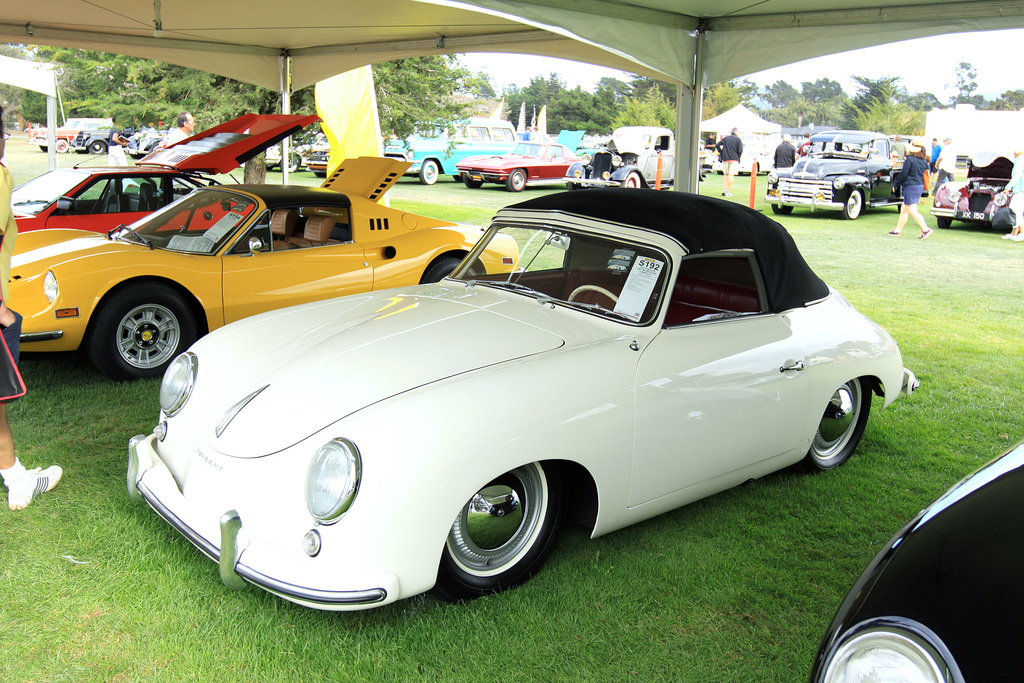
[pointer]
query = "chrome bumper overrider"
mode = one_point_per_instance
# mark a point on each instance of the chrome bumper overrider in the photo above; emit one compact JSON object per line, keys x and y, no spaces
{"x":910,"y":382}
{"x":233,"y":541}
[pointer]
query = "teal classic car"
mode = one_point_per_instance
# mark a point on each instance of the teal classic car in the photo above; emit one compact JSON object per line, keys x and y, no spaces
{"x":432,"y":156}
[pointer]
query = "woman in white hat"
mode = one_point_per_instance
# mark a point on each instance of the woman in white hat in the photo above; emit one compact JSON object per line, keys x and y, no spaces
{"x":911,"y":179}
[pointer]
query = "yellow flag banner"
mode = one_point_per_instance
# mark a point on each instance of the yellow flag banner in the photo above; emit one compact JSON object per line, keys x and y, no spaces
{"x":496,"y":114}
{"x":347,"y":107}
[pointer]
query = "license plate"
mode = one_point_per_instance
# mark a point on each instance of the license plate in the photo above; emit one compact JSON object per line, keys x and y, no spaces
{"x":972,"y":216}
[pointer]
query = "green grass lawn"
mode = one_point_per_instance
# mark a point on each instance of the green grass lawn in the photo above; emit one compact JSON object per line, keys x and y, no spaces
{"x":737,"y":587}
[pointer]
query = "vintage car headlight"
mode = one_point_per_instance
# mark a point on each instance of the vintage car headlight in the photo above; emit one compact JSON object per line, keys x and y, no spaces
{"x":953,"y":195}
{"x":887,"y":653}
{"x":50,"y":288}
{"x":838,"y":184}
{"x":332,"y":480}
{"x":773,"y":177}
{"x":1000,"y":199}
{"x":178,"y":381}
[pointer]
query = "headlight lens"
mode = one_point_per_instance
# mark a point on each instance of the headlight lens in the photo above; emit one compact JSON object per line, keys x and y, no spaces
{"x":838,"y":184}
{"x":953,"y":195}
{"x":773,"y":177}
{"x":50,"y":288}
{"x":178,"y":381}
{"x":886,"y":654}
{"x":333,"y":480}
{"x":1000,"y":199}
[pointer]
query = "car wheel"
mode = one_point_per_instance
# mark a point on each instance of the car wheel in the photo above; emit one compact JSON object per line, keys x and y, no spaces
{"x":854,"y":203}
{"x":485,"y":553}
{"x":429,"y":172}
{"x":632,"y":180}
{"x":782,"y":210}
{"x":469,"y":182}
{"x":841,"y":427}
{"x":139,"y":331}
{"x":440,"y":269}
{"x":97,"y":147}
{"x":943,"y":222}
{"x":62,"y":146}
{"x":572,"y":187}
{"x":516,"y":180}
{"x":294,"y":163}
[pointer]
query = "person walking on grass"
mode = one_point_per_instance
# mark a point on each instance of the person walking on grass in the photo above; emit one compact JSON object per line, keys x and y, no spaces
{"x":911,"y":179}
{"x":22,"y":484}
{"x":730,"y":151}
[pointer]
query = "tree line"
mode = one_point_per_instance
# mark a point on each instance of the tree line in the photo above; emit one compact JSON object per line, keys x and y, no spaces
{"x":429,"y":93}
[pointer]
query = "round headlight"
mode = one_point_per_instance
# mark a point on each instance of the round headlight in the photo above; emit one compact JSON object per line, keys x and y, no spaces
{"x":333,"y":480}
{"x":953,"y":195}
{"x":886,"y":655}
{"x":178,"y":381}
{"x":773,"y":177}
{"x":50,"y":288}
{"x":1000,"y":199}
{"x":838,"y":184}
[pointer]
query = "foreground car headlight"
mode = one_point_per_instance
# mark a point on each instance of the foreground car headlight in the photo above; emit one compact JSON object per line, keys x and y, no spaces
{"x":953,"y":196}
{"x":178,"y":382}
{"x":886,"y":653}
{"x":838,"y":184}
{"x":1000,"y":199}
{"x":773,"y":177}
{"x":50,"y":288}
{"x":332,"y":480}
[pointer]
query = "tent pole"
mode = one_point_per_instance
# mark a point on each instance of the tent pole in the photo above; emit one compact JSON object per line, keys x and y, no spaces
{"x":51,"y":132}
{"x":285,"y":65}
{"x":696,"y":108}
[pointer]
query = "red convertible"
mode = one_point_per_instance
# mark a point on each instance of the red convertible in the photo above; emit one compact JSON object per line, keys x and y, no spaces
{"x":529,"y":163}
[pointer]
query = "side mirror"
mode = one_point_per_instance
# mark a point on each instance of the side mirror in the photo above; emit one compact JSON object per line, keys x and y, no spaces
{"x":255,"y":245}
{"x":65,"y":204}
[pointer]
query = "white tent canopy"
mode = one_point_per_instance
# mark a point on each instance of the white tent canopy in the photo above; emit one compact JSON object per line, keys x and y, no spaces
{"x":741,"y":118}
{"x":689,"y":42}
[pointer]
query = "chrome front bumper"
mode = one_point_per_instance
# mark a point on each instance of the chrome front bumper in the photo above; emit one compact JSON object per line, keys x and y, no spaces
{"x":143,"y":461}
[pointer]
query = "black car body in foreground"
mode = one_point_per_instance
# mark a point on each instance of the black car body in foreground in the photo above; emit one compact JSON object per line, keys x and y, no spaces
{"x":942,"y":600}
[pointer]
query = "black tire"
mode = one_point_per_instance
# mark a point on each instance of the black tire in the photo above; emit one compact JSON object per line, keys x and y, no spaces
{"x":841,"y":427}
{"x":97,"y":147}
{"x":485,"y":553}
{"x":782,"y":210}
{"x":853,"y":206}
{"x":62,"y":146}
{"x":440,"y":269}
{"x":632,"y":180}
{"x":429,"y":172}
{"x":943,"y":223}
{"x":572,"y":187}
{"x":516,"y":180}
{"x":139,"y":330}
{"x":470,"y":183}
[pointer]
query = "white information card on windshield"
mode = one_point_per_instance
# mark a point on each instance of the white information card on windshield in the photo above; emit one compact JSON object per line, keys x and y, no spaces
{"x":642,"y":279}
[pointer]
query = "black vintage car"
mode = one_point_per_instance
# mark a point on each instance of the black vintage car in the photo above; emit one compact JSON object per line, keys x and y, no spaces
{"x":941,"y":602}
{"x":846,"y":170}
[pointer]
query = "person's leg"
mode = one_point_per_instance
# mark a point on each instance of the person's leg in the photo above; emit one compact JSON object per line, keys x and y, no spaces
{"x":22,"y":485}
{"x":6,"y":441}
{"x":902,"y":220}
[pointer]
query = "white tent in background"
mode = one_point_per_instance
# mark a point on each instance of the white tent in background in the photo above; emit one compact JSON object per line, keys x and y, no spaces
{"x":40,"y":77}
{"x":760,"y":136}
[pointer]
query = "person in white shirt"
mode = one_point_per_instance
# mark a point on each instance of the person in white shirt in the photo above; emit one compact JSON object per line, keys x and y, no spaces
{"x":185,"y":127}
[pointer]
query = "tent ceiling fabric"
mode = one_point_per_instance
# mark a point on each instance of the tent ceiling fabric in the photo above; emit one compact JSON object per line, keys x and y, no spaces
{"x":246,"y":40}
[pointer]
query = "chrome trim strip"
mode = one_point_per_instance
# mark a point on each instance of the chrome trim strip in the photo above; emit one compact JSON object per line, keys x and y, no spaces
{"x":40,"y":336}
{"x":368,"y":596}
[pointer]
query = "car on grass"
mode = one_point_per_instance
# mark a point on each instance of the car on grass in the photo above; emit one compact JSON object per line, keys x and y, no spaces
{"x":99,"y":198}
{"x":636,"y":156}
{"x":939,"y":602}
{"x":434,"y":155}
{"x":529,"y":163}
{"x":66,"y":134}
{"x":135,"y":298}
{"x":641,"y":350}
{"x":976,"y":199}
{"x":844,"y":170}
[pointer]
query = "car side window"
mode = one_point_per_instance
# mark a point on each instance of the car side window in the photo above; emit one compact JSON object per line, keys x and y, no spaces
{"x":179,"y":188}
{"x":714,"y":287}
{"x":479,"y":134}
{"x":94,"y":198}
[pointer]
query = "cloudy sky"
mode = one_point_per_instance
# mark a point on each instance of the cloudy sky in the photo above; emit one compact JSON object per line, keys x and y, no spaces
{"x":926,"y":64}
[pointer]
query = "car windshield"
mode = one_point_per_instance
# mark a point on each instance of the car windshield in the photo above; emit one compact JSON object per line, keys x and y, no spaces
{"x":841,"y":147}
{"x":529,"y":149}
{"x":35,"y":195}
{"x":198,"y":223}
{"x":599,"y":274}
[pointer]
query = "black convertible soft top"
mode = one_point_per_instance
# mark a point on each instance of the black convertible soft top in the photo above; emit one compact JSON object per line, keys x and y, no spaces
{"x":701,"y":225}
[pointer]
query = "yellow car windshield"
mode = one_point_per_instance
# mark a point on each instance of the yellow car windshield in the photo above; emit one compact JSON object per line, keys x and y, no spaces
{"x":199,"y":223}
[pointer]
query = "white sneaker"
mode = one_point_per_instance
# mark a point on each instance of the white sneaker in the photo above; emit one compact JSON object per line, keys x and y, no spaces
{"x":1007,"y":236}
{"x":34,"y":482}
{"x":1018,"y":237}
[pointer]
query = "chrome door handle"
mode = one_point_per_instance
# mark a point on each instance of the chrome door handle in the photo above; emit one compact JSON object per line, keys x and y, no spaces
{"x":795,"y":367}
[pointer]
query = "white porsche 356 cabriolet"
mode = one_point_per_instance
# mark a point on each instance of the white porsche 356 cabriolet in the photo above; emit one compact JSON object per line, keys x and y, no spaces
{"x":644,"y":350}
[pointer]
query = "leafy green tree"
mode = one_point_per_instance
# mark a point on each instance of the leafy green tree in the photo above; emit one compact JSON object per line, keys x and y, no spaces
{"x":871,"y":91}
{"x":965,"y":84}
{"x":1011,"y":100}
{"x":779,"y":94}
{"x":417,"y":94}
{"x":653,"y":109}
{"x":822,"y":90}
{"x":887,"y":115}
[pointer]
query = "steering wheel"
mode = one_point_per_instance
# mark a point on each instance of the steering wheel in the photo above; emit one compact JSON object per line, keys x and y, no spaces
{"x":593,"y":288}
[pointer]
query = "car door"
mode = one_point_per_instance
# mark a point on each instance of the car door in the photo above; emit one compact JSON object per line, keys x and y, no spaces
{"x":717,"y":393}
{"x":274,"y":278}
{"x":103,"y":204}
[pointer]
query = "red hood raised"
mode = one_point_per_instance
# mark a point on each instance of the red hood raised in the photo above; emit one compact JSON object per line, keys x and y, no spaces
{"x":224,"y":148}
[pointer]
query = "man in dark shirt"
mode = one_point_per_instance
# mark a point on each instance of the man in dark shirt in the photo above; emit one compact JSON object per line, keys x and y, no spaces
{"x":730,"y":149}
{"x":785,"y":153}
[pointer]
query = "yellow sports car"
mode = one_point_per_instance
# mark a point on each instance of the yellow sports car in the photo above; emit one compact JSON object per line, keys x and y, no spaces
{"x":137,"y":297}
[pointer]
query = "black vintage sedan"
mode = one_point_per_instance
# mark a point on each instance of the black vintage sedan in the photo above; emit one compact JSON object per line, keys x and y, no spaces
{"x":941,"y":602}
